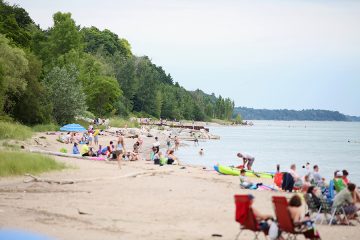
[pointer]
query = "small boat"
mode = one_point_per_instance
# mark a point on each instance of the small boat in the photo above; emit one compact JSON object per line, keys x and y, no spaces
{"x":236,"y":172}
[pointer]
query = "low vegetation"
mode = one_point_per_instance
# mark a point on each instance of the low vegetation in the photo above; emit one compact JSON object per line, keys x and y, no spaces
{"x":45,"y":127}
{"x":122,"y":122}
{"x":19,"y":163}
{"x":15,"y":131}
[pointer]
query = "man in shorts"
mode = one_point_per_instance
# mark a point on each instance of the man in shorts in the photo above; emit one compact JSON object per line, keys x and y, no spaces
{"x":246,"y":159}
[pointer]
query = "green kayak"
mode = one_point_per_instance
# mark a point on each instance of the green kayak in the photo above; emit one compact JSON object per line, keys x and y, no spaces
{"x":236,"y":172}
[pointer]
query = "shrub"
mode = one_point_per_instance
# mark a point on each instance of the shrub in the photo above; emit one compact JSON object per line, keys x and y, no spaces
{"x":45,"y":127}
{"x":14,"y":131}
{"x":19,"y":163}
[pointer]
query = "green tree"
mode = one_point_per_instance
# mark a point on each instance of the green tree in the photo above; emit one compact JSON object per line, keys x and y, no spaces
{"x":102,"y":95}
{"x":14,"y":66}
{"x":65,"y":94}
{"x":31,"y":106}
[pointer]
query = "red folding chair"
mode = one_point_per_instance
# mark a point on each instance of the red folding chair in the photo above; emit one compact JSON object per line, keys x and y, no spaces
{"x":285,"y":222}
{"x":245,"y":216}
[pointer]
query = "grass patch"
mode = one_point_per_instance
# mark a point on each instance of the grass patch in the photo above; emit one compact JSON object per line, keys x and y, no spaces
{"x":17,"y":131}
{"x":11,"y":146}
{"x":121,"y":122}
{"x":51,"y":127}
{"x":221,"y":121}
{"x":19,"y":163}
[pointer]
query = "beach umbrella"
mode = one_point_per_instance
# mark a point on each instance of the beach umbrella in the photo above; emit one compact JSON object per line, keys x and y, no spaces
{"x":72,"y":128}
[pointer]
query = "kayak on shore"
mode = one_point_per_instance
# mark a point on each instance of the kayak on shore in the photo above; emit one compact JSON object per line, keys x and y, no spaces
{"x":236,"y":172}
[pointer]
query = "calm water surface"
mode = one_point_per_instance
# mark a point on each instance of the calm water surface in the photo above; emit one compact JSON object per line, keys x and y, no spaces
{"x":331,"y":145}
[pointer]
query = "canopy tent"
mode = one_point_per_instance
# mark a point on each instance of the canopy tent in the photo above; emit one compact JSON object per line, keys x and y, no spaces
{"x":72,"y":128}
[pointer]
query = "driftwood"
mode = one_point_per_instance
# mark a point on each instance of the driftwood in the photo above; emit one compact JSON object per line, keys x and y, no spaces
{"x":60,"y":154}
{"x":32,"y":178}
{"x":38,"y":179}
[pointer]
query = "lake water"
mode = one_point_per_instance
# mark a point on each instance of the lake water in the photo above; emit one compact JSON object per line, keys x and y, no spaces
{"x":331,"y":145}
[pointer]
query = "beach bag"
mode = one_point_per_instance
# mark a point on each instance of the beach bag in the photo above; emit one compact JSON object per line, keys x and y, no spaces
{"x":273,"y":231}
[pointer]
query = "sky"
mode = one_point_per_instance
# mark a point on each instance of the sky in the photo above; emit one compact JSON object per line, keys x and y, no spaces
{"x":274,"y":54}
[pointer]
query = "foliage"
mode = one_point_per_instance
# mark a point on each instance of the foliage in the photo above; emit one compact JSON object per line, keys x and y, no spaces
{"x":19,"y":163}
{"x":14,"y":66}
{"x":45,"y":127}
{"x":66,"y":94}
{"x":17,"y":131}
{"x":238,"y":119}
{"x":14,"y":23}
{"x":102,"y":94}
{"x":31,"y":106}
{"x":121,"y":122}
{"x":284,"y":114}
{"x":55,"y":74}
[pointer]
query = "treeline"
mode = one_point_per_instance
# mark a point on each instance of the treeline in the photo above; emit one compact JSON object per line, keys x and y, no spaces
{"x":58,"y":73}
{"x":289,"y":115}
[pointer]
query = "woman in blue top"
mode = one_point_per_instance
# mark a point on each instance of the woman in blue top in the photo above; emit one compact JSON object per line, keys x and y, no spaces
{"x":75,"y":149}
{"x":120,"y":149}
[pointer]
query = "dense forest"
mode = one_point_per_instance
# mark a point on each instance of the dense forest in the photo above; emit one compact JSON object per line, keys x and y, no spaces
{"x":284,"y":114}
{"x":56,"y":74}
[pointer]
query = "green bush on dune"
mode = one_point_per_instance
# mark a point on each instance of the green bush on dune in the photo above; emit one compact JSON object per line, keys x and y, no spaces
{"x":121,"y":122}
{"x":45,"y":127}
{"x":16,"y":131}
{"x":19,"y":163}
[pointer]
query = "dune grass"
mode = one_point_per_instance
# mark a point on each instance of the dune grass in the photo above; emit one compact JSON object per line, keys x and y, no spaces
{"x":19,"y":163}
{"x":15,"y":131}
{"x":122,"y":122}
{"x":45,"y":127}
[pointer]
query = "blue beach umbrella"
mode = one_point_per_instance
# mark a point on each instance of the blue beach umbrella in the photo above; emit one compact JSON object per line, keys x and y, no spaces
{"x":72,"y":128}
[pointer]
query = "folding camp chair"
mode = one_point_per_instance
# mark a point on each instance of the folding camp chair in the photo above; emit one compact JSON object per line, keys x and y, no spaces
{"x":340,"y":212}
{"x":285,"y":223}
{"x":245,"y":216}
{"x":324,"y":208}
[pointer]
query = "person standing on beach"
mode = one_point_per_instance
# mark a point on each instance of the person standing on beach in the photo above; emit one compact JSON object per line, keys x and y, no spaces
{"x":156,"y":144}
{"x":246,"y":159}
{"x":120,"y":149}
{"x":168,"y":142}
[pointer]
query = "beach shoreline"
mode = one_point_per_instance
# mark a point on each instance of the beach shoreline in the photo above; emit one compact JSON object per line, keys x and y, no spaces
{"x":140,"y":200}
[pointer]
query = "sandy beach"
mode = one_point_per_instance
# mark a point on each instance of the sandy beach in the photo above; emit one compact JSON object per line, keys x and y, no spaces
{"x":140,"y":200}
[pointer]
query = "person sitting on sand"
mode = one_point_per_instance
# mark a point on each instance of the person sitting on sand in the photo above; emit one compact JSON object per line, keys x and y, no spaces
{"x":297,"y":214}
{"x":136,"y":147}
{"x":346,"y":199}
{"x":306,"y":183}
{"x":106,"y":151}
{"x":296,"y":177}
{"x":338,"y":181}
{"x":85,"y":149}
{"x":244,"y":183}
{"x":345,"y":176}
{"x":76,"y":149}
{"x":172,"y":158}
{"x":132,"y":156}
{"x":316,"y":177}
{"x":246,"y":159}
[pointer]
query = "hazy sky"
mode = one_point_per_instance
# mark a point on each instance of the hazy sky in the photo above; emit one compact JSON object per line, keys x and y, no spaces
{"x":263,"y":54}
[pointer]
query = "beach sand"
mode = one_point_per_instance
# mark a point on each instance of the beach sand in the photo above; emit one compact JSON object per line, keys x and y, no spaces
{"x":167,"y":202}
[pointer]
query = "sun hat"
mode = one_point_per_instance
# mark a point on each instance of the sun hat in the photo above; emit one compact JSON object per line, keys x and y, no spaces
{"x":339,"y":174}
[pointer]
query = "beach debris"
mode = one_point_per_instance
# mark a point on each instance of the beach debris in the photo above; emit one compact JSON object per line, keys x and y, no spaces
{"x":216,"y":235}
{"x":32,"y":178}
{"x":38,"y":179}
{"x":83,"y":213}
